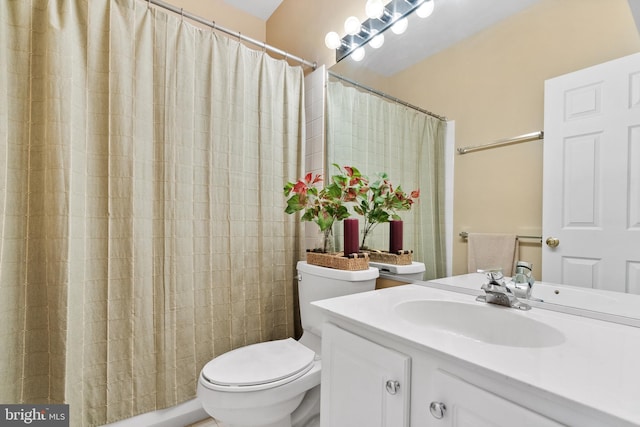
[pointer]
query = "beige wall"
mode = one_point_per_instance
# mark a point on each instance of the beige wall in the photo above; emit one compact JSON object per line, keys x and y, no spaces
{"x":492,"y":85}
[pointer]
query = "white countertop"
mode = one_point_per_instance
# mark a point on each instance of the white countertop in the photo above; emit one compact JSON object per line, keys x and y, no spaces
{"x":598,"y":365}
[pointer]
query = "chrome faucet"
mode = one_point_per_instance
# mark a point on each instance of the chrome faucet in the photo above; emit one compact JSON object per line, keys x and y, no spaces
{"x":522,"y":281}
{"x":498,"y":292}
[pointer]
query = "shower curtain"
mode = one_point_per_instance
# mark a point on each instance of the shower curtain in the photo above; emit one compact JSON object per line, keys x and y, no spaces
{"x":377,"y":135}
{"x":142,"y":225}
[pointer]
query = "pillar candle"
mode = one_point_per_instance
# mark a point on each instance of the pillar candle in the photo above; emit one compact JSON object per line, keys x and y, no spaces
{"x":350,"y":236}
{"x":395,"y":236}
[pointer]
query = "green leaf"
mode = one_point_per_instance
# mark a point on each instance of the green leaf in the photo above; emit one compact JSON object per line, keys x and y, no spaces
{"x":342,"y":213}
{"x":288,"y":188}
{"x":293,"y":204}
{"x":333,"y":191}
{"x":325,"y":222}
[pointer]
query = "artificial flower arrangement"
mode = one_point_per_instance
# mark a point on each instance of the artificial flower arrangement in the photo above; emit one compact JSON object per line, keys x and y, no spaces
{"x":377,"y":202}
{"x":326,"y":205}
{"x":381,"y":204}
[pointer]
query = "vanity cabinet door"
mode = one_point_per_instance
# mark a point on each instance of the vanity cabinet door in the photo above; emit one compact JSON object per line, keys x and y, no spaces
{"x":363,"y":383}
{"x":466,"y":405}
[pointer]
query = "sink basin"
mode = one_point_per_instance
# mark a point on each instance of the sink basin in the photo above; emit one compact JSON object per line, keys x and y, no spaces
{"x":490,"y":324}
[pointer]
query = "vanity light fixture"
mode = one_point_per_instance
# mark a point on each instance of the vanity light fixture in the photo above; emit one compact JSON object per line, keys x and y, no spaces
{"x":332,"y":40}
{"x":377,"y":41}
{"x":400,"y":25}
{"x":358,"y":54}
{"x":352,"y":25}
{"x":374,"y":9}
{"x":380,"y":18}
{"x":425,"y":9}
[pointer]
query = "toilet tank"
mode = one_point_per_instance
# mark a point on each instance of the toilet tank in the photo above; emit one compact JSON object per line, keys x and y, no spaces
{"x":317,"y":283}
{"x":413,"y":271}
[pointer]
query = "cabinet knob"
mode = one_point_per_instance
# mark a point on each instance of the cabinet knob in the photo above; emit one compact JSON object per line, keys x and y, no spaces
{"x":392,"y":386}
{"x":438,"y":409}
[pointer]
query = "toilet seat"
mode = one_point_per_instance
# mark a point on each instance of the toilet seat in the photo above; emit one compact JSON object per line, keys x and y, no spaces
{"x":258,"y":366}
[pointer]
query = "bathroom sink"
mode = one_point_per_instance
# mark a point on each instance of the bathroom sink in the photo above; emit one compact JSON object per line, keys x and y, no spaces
{"x":487,"y":323}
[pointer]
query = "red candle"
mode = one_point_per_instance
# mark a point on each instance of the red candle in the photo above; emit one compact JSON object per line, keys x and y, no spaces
{"x":350,"y":236}
{"x":395,"y":236}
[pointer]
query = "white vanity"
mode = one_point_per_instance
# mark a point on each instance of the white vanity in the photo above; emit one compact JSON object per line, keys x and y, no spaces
{"x":420,"y":356}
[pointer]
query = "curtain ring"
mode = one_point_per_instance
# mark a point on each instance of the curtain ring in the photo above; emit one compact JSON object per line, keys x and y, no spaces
{"x":182,"y":14}
{"x":239,"y":37}
{"x":264,"y":47}
{"x":148,"y":4}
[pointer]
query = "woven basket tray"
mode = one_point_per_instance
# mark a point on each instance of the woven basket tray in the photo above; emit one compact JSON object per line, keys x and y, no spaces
{"x":338,"y":261}
{"x":404,"y":258}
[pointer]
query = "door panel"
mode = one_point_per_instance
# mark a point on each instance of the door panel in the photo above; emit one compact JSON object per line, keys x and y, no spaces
{"x":591,"y":190}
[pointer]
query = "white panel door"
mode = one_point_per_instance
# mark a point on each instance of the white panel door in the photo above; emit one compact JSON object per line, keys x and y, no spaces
{"x":591,"y":190}
{"x":466,"y":405}
{"x":363,"y":383}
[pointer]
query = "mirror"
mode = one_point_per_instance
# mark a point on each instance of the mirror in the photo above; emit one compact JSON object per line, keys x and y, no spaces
{"x":401,"y":150}
{"x":491,"y":83}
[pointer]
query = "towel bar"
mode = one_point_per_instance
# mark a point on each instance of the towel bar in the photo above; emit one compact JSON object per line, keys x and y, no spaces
{"x":465,"y":234}
{"x":517,"y":139}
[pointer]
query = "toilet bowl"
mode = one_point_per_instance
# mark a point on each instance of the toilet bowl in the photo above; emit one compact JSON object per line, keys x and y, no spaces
{"x":277,"y":383}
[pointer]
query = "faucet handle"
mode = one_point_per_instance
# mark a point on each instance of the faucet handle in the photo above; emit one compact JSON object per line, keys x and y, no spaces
{"x":523,"y":273}
{"x":523,"y":280}
{"x":493,"y":274}
{"x":524,"y":266}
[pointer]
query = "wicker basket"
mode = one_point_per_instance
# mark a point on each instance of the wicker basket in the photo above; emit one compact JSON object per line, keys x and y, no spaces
{"x":339,"y":261}
{"x":400,"y":258}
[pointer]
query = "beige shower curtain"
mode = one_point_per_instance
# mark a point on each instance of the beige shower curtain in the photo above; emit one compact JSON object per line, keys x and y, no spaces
{"x":141,"y":215}
{"x":377,"y":135}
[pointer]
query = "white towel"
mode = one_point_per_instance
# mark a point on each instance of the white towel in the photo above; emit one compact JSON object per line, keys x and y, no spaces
{"x":487,"y":251}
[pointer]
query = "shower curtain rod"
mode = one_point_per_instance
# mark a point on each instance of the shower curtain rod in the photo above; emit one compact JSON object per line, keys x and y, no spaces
{"x":239,"y":35}
{"x":384,"y":95}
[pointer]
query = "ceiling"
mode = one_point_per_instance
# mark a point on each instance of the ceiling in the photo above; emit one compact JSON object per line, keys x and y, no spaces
{"x":262,"y":9}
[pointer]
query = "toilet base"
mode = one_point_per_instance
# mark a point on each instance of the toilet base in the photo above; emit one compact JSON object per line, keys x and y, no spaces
{"x":256,"y":417}
{"x":308,"y":411}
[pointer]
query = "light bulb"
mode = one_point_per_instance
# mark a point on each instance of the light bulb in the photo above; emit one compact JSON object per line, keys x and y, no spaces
{"x":426,"y":9}
{"x":358,"y":54}
{"x":377,"y":41}
{"x":400,"y":25}
{"x":374,"y":9}
{"x":352,"y":25}
{"x":332,"y":40}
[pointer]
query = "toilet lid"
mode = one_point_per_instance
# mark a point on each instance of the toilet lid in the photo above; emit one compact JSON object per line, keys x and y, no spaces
{"x":258,"y":365}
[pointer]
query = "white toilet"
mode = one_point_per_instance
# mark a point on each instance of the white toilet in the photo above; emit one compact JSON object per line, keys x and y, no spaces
{"x":277,"y":383}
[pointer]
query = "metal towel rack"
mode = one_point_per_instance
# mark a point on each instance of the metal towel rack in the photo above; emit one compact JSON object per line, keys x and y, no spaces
{"x":465,"y":234}
{"x":522,"y":138}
